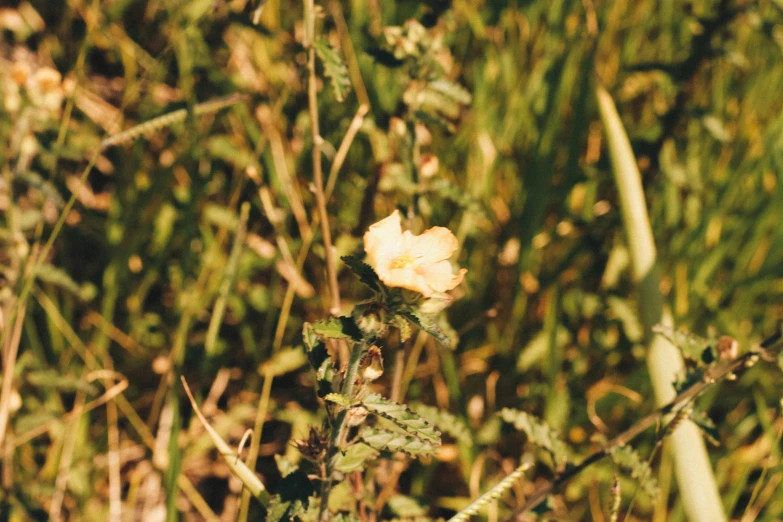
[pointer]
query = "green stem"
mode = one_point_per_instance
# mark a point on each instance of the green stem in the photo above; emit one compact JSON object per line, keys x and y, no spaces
{"x":339,"y":427}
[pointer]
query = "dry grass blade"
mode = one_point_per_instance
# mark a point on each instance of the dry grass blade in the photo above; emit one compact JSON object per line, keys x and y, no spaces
{"x":245,"y":474}
{"x":10,"y":351}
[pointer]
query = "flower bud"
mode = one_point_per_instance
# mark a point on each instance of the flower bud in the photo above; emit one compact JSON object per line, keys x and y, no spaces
{"x":372,"y":364}
{"x":371,"y":322}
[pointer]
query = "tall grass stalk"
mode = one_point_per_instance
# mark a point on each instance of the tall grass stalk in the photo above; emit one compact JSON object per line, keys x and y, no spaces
{"x":695,"y":478}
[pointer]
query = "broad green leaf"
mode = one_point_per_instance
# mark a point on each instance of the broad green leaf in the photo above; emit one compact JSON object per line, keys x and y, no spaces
{"x":395,"y":441}
{"x":538,"y":432}
{"x":403,"y":417}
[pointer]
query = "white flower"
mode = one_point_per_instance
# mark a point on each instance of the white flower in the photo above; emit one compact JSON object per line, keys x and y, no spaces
{"x":419,"y":263}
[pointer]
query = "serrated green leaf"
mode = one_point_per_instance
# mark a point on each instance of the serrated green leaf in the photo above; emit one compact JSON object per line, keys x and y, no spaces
{"x":386,"y":440}
{"x":629,"y":460}
{"x":365,"y":273}
{"x":446,"y":422}
{"x":337,"y":328}
{"x":690,"y":345}
{"x":538,"y":432}
{"x":334,"y":67}
{"x":355,"y":457}
{"x":340,"y":400}
{"x":403,"y":417}
{"x":429,"y":324}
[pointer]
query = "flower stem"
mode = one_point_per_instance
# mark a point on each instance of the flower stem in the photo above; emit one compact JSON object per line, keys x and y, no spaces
{"x":318,"y":177}
{"x":339,"y":428}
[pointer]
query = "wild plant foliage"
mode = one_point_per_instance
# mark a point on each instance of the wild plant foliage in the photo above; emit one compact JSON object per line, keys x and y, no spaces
{"x":415,"y":261}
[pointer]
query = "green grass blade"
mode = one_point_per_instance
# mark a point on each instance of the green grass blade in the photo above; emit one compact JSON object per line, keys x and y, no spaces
{"x":697,"y":485}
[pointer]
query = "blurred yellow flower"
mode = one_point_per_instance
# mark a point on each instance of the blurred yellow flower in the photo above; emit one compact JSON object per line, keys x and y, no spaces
{"x":419,"y":263}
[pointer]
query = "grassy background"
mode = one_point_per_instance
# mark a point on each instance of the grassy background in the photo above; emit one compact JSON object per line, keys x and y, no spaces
{"x":547,"y":318}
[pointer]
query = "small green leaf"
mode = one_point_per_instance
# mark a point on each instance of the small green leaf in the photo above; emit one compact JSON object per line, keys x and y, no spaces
{"x":319,"y":359}
{"x":405,"y":507}
{"x":386,"y":440}
{"x":691,"y":346}
{"x":629,"y":460}
{"x":400,"y":415}
{"x":355,"y":457}
{"x":538,"y":432}
{"x":285,"y":466}
{"x":284,"y":361}
{"x":707,"y":426}
{"x":450,"y":89}
{"x":627,"y":316}
{"x":404,"y":326}
{"x":334,"y":67}
{"x":340,"y":400}
{"x":337,"y":328}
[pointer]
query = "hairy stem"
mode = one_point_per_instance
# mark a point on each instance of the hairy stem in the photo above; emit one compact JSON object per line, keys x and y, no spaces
{"x":339,"y":427}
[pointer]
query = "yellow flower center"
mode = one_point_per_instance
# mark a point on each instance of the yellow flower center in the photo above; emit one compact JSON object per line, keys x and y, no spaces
{"x":404,"y":261}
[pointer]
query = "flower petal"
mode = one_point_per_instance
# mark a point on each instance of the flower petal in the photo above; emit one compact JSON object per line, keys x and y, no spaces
{"x":433,"y":245}
{"x":407,"y":277}
{"x":440,"y":277}
{"x":383,"y":241}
